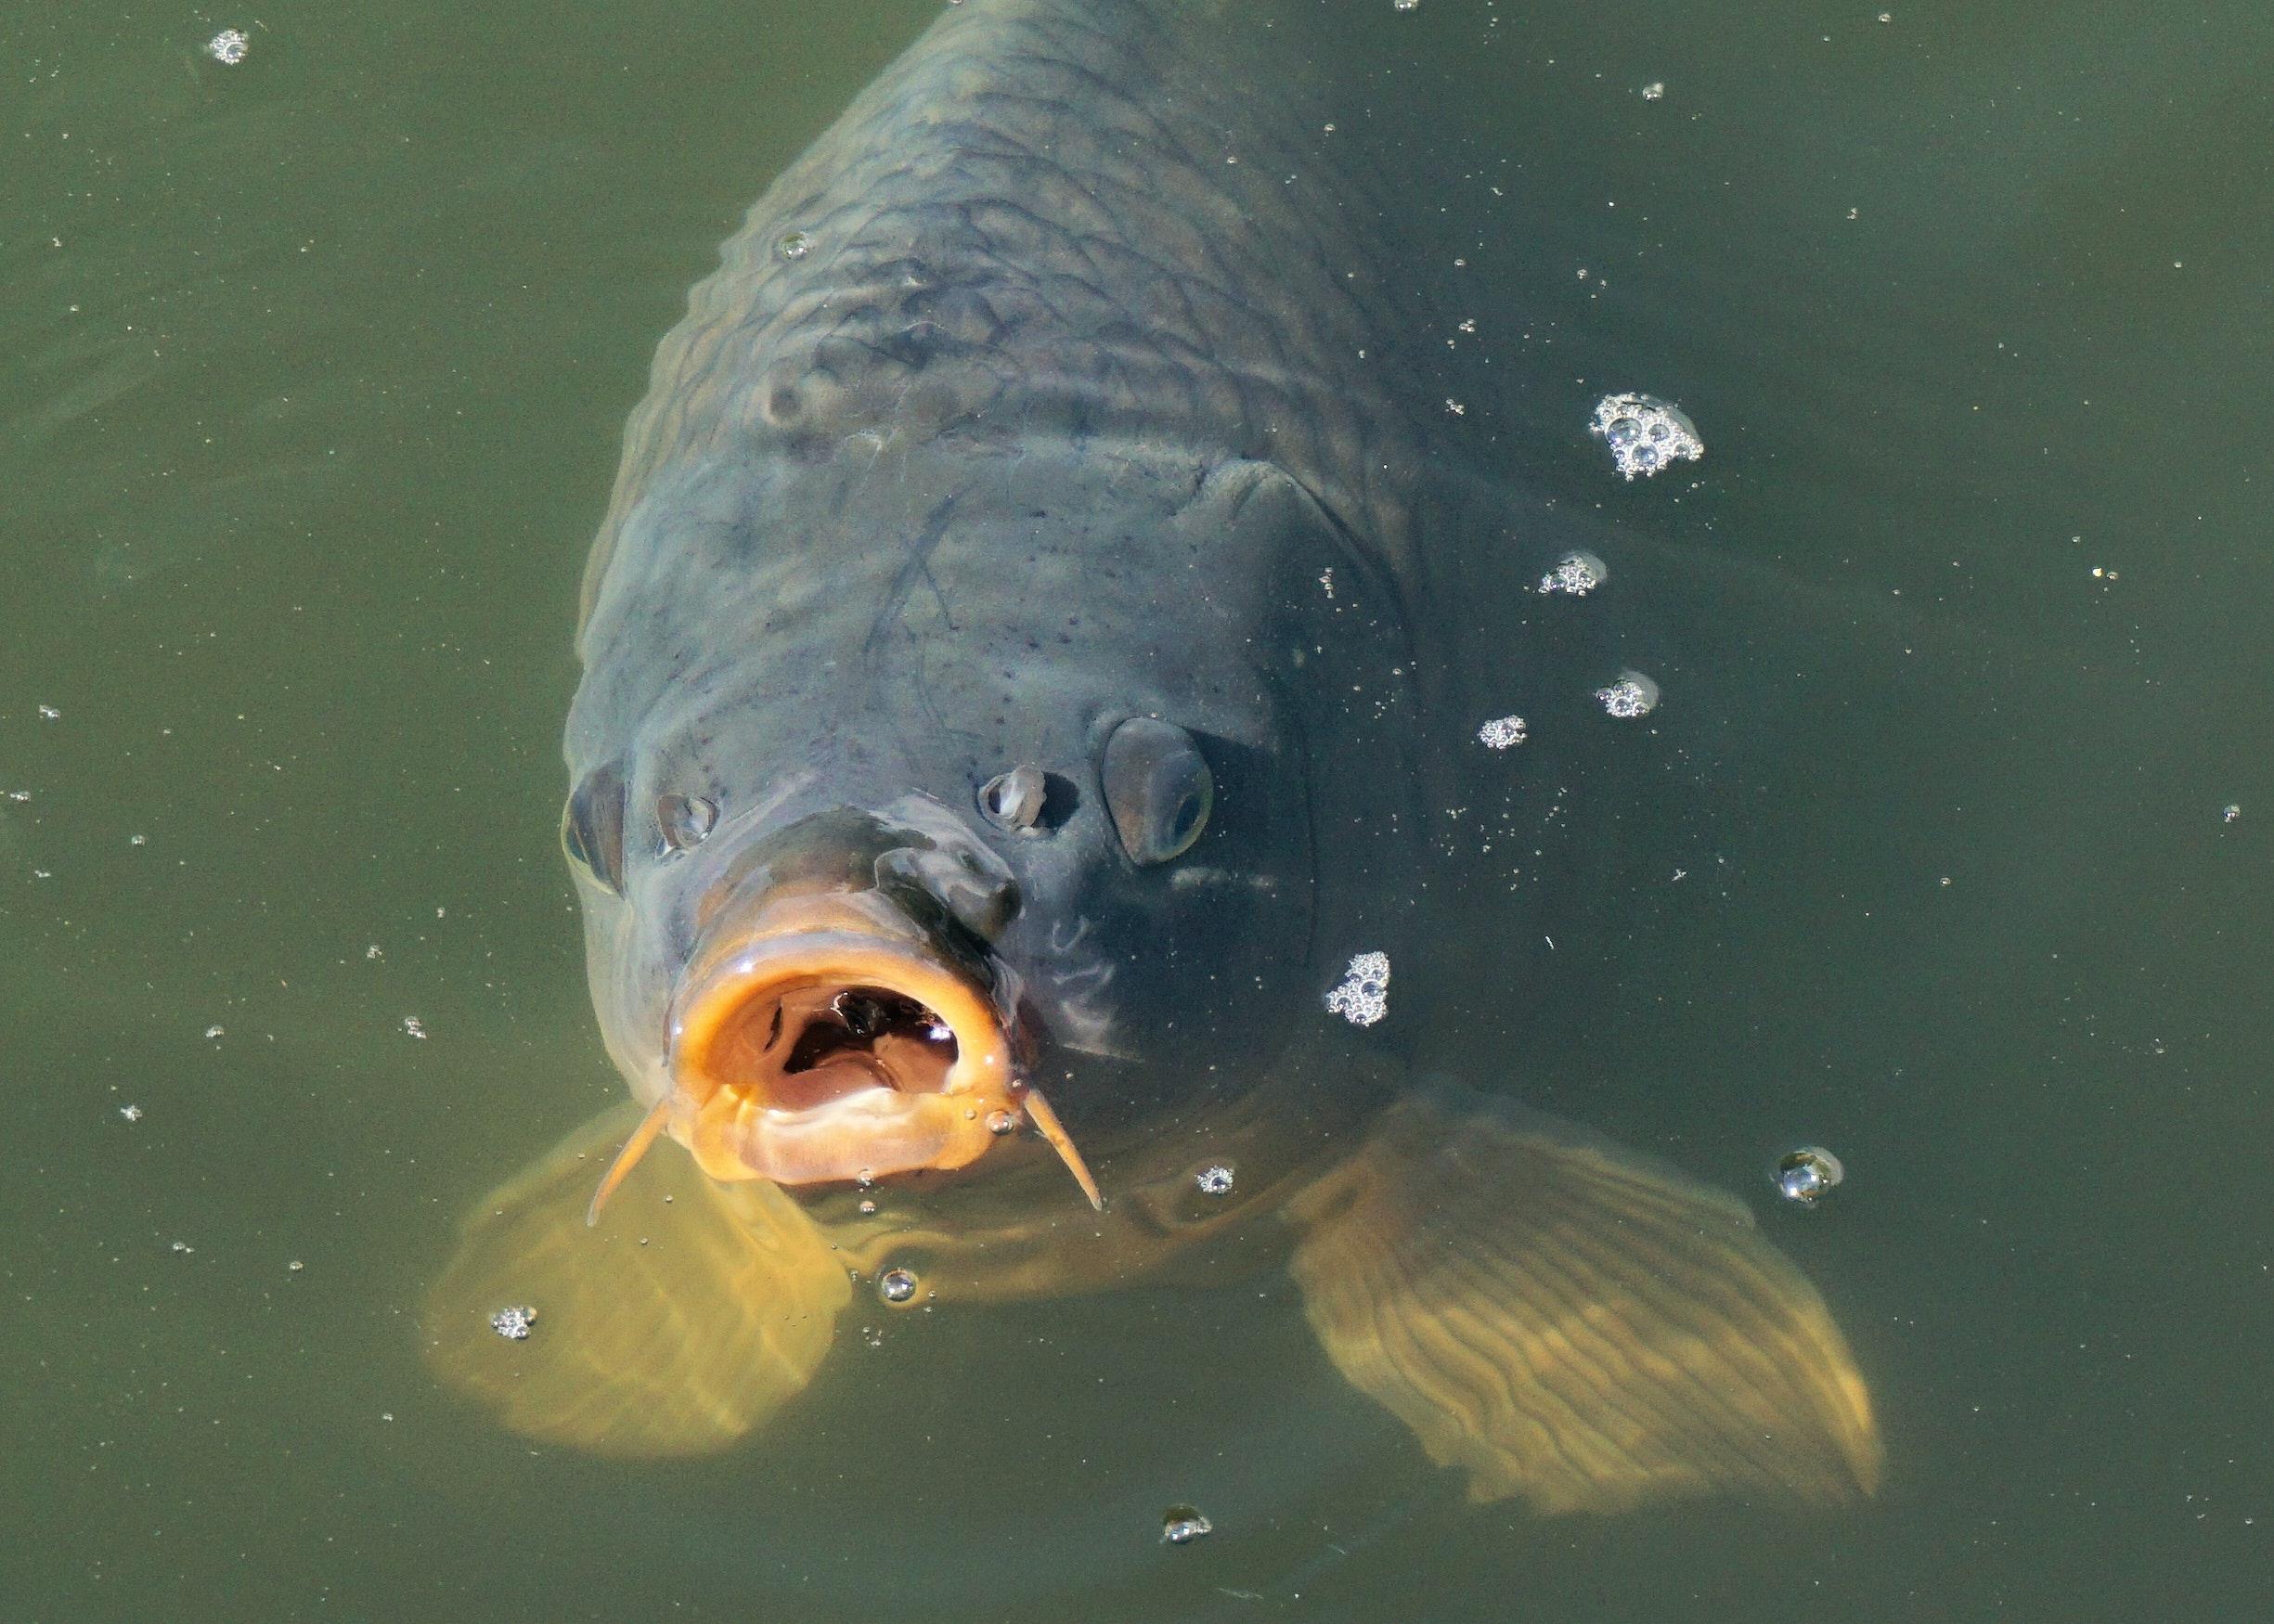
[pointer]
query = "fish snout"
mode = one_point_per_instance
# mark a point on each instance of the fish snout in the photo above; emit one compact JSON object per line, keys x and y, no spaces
{"x":843,"y":1034}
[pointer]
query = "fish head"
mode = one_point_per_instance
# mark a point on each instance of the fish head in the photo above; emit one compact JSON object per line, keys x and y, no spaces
{"x":984,"y":813}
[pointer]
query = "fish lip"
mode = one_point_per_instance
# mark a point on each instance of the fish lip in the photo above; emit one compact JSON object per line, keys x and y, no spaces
{"x":747,"y":1110}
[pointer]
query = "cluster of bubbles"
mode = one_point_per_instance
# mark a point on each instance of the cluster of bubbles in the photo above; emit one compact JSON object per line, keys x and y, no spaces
{"x":1807,"y":1174}
{"x":1214,"y":1179}
{"x":1645,"y":433}
{"x":1632,"y":695}
{"x":515,"y":1324}
{"x":1576,"y":573}
{"x":228,"y":46}
{"x":1501,"y":732}
{"x":1363,"y":996}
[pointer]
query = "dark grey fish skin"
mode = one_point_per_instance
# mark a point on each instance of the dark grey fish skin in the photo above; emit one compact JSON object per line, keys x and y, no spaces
{"x":1066,"y":378}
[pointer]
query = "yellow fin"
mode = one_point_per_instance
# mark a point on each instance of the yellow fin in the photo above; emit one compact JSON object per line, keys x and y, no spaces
{"x":1572,"y":1322}
{"x":673,"y":1328}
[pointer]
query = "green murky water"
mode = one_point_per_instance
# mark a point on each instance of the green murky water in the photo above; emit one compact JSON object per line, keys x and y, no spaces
{"x":312,"y":375}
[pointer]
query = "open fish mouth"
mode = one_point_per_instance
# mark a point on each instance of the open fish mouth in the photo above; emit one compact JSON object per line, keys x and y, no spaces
{"x":830,"y":1041}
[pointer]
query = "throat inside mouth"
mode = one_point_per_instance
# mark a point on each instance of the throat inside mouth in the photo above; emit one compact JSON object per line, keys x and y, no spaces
{"x":795,"y":1048}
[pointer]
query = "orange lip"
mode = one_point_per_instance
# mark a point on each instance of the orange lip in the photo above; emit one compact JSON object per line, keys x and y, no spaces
{"x":828,"y":1041}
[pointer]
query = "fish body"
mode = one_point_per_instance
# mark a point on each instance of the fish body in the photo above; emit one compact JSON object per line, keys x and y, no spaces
{"x":1007,"y":684}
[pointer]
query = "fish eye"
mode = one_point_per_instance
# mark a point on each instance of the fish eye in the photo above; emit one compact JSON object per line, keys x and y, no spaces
{"x":592,"y":826}
{"x":684,"y":819}
{"x":1157,"y":789}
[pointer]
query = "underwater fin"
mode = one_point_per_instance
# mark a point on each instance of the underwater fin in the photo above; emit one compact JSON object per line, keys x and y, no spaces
{"x":640,"y":1142}
{"x":690,"y":1313}
{"x":1572,"y":1322}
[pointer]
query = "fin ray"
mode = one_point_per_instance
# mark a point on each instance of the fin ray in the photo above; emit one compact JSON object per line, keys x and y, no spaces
{"x":693,"y":1311}
{"x":1574,"y":1324}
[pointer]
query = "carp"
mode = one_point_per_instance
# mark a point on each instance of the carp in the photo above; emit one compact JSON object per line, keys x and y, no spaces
{"x":1010,"y":696}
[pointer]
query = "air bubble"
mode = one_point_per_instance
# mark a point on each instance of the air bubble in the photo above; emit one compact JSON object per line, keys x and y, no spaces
{"x":1181,"y":1524}
{"x":1632,"y":695}
{"x":795,"y":246}
{"x":1807,"y":1174}
{"x":1502,"y":732}
{"x":1576,"y":573}
{"x":515,"y":1324}
{"x":1364,"y":997}
{"x":1215,"y":1180}
{"x":897,"y":1285}
{"x":228,"y":46}
{"x":1001,"y":1122}
{"x":1645,"y":433}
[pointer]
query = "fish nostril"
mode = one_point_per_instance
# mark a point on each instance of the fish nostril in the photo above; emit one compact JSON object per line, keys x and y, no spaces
{"x":982,"y":900}
{"x":1027,"y":801}
{"x":1014,"y":800}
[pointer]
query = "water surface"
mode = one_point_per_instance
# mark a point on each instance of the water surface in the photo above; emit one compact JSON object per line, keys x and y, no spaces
{"x":312,"y":376}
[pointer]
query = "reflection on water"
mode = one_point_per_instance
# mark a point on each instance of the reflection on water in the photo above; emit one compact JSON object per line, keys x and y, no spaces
{"x":317,"y":365}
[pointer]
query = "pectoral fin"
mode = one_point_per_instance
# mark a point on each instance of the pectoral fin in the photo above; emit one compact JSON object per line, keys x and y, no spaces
{"x":1574,"y":1324}
{"x":685,"y":1318}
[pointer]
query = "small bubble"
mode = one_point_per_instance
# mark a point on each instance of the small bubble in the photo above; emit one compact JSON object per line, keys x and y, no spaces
{"x":515,"y":1323}
{"x":1645,"y":433}
{"x":132,"y":1112}
{"x":1502,"y":732}
{"x":1181,"y":1524}
{"x":214,"y":1031}
{"x":1654,"y":91}
{"x":1363,"y":996}
{"x":137,"y":839}
{"x":897,"y":1285}
{"x":1215,"y":1180}
{"x":228,"y":46}
{"x":867,"y":1207}
{"x":1632,"y":695}
{"x":182,"y":1249}
{"x":2230,"y":814}
{"x":295,"y":1265}
{"x":49,"y":713}
{"x":1001,"y":1122}
{"x":373,"y":951}
{"x":795,"y":246}
{"x":1807,"y":1174}
{"x":413,"y":1025}
{"x":1455,"y":408}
